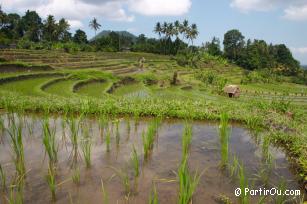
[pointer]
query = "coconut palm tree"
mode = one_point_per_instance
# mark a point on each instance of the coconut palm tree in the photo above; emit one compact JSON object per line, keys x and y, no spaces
{"x":95,"y":26}
{"x":176,"y":28}
{"x":193,"y":32}
{"x":164,"y":31}
{"x":184,"y":28}
{"x":158,"y":30}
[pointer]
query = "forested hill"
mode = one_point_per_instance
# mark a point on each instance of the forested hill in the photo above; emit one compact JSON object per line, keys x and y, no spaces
{"x":105,"y":33}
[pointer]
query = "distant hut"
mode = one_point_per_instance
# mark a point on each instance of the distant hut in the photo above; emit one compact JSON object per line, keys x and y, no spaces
{"x":232,"y":90}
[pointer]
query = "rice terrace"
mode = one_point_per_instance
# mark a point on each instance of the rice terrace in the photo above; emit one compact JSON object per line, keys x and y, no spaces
{"x":119,"y":118}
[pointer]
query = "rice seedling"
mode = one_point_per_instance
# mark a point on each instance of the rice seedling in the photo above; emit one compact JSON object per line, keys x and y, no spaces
{"x":224,"y":139}
{"x":49,"y":141}
{"x":153,"y":197}
{"x":281,"y":198}
{"x":50,"y":178}
{"x":266,"y":154}
{"x":125,"y":180}
{"x":76,"y":176}
{"x":102,"y":125}
{"x":128,"y":127}
{"x":243,"y":182}
{"x":233,"y":167}
{"x":108,"y":140}
{"x":135,"y":162}
{"x":105,"y":194}
{"x":187,"y":182}
{"x":2,"y":178}
{"x":86,"y":146}
{"x":15,"y":197}
{"x":2,"y":127}
{"x":15,"y":132}
{"x":186,"y":139}
{"x":117,"y":132}
{"x":74,"y":130}
{"x":149,"y":137}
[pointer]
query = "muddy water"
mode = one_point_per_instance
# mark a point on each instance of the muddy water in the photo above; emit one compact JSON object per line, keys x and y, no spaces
{"x":160,"y":168}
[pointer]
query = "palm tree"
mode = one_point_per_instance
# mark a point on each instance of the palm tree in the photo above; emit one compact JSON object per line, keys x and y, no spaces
{"x":193,"y":33}
{"x":170,"y":33}
{"x":95,"y":26}
{"x":177,"y":26}
{"x":164,"y":31}
{"x":184,"y":28}
{"x":158,"y":30}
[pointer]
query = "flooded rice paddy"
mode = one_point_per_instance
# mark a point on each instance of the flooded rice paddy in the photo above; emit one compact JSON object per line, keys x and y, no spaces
{"x":111,"y":176}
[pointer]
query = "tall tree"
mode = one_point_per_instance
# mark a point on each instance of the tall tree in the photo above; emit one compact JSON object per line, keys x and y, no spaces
{"x":50,"y":29}
{"x":233,"y":44}
{"x":32,"y":25}
{"x":213,"y":47}
{"x":158,"y":30}
{"x":80,"y":37}
{"x":95,"y":26}
{"x":192,"y":33}
{"x":62,"y":30}
{"x":184,"y":29}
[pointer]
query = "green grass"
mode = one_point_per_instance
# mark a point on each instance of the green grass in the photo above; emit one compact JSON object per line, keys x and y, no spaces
{"x":135,"y":162}
{"x":62,"y":88}
{"x":28,"y":87}
{"x":186,"y":139}
{"x":96,"y":90}
{"x":15,"y":133}
{"x":50,"y":177}
{"x":49,"y":142}
{"x":132,"y":91}
{"x":149,"y":137}
{"x":2,"y":178}
{"x":86,"y":146}
{"x":187,"y":182}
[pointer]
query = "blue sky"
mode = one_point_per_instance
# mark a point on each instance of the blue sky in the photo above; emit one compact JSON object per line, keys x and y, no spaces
{"x":276,"y":21}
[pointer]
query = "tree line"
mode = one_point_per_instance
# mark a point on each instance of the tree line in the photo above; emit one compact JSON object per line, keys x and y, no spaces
{"x":174,"y":38}
{"x":254,"y":54}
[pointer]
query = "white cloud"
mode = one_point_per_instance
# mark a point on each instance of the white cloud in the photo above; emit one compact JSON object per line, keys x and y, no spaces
{"x":75,"y":24}
{"x":293,"y":9}
{"x":296,"y":13}
{"x":249,"y":5}
{"x":76,"y":11}
{"x":299,"y":50}
{"x":160,"y":7}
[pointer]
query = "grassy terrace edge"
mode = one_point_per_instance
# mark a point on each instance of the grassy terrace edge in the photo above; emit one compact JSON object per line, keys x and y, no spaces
{"x":284,"y":131}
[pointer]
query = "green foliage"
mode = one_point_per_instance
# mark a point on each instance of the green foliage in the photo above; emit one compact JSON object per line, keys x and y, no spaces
{"x":80,"y":37}
{"x":186,"y":139}
{"x":49,"y":142}
{"x":213,"y":48}
{"x":51,"y":181}
{"x":86,"y":145}
{"x":149,"y":137}
{"x":187,"y":182}
{"x":188,"y":58}
{"x":153,"y":197}
{"x":15,"y":133}
{"x":233,"y":44}
{"x":2,"y":178}
{"x":135,"y":162}
{"x":76,"y":176}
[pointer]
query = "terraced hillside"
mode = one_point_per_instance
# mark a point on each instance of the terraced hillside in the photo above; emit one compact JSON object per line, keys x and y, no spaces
{"x":85,"y":75}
